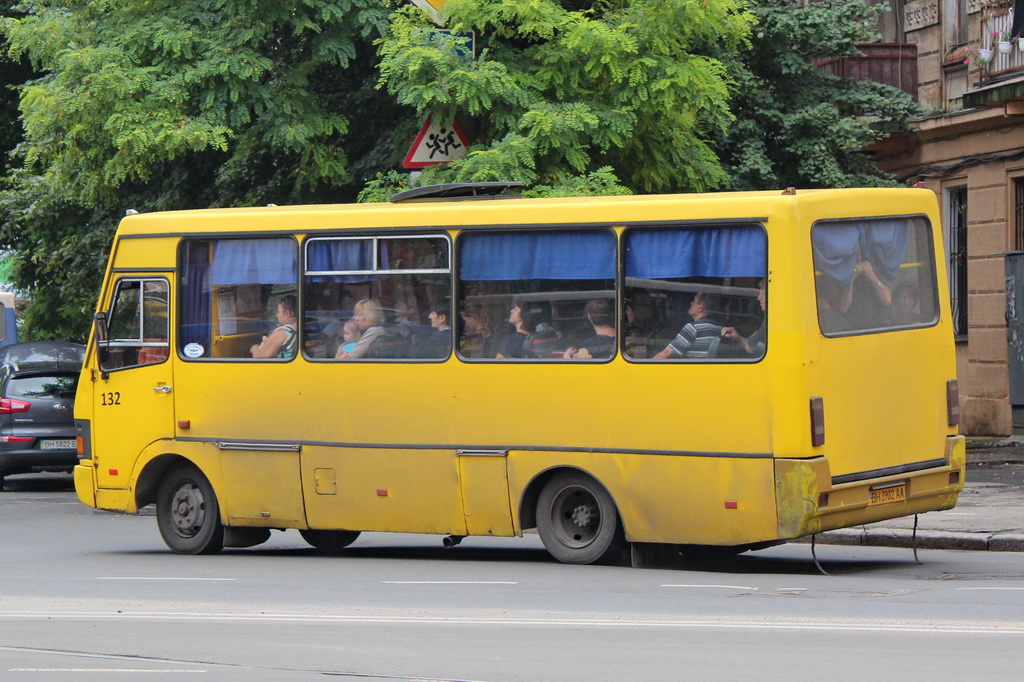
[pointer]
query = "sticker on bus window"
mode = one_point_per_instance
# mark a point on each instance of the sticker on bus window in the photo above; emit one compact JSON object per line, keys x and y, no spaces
{"x":193,"y":350}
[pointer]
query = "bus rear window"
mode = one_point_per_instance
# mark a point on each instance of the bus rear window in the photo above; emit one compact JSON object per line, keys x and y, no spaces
{"x":873,"y":275}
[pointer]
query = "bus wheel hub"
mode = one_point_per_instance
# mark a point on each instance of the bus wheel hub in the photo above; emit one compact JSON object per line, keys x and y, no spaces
{"x":584,"y":515}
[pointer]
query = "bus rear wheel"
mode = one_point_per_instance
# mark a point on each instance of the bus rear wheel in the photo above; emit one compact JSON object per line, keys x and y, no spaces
{"x":577,"y":520}
{"x":329,"y":540}
{"x":187,"y":512}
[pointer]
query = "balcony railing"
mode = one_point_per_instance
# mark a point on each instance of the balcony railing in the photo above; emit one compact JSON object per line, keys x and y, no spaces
{"x":996,"y":20}
{"x":892,"y":64}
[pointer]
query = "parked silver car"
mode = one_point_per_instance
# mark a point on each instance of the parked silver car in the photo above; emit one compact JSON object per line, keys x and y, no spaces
{"x":37,"y":398}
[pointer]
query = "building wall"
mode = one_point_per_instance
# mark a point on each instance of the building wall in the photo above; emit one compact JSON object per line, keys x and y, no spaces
{"x":953,"y":146}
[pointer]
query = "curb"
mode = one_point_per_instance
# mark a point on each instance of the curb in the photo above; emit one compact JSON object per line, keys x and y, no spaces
{"x":926,"y":539}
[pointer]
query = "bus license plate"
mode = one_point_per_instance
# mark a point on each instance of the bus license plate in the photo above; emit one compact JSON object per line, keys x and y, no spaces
{"x":892,"y":493}
{"x":57,"y":445}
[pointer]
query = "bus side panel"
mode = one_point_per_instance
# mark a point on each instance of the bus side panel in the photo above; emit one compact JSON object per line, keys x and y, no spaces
{"x":248,"y":475}
{"x":672,"y":498}
{"x":485,"y":500}
{"x":383,"y":489}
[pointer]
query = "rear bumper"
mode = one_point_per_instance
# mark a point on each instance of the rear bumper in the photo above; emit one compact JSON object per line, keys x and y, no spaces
{"x":34,"y":460}
{"x":810,"y":501}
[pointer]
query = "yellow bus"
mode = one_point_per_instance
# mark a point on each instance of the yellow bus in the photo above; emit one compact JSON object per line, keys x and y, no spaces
{"x":721,"y":370}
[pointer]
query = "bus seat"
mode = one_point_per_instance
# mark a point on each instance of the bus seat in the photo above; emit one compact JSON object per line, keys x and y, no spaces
{"x":393,"y":342}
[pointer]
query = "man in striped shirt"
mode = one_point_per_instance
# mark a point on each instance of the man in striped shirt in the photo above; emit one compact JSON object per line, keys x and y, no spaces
{"x":696,"y":338}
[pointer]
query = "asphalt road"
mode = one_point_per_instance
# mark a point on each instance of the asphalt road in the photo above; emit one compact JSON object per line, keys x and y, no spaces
{"x":86,"y":595}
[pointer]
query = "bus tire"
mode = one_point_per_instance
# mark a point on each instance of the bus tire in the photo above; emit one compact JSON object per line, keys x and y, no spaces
{"x":329,"y":540}
{"x":187,"y":512}
{"x":577,"y":520}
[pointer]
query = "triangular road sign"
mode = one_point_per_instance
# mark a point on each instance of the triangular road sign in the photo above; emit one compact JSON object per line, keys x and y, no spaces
{"x":435,"y":144}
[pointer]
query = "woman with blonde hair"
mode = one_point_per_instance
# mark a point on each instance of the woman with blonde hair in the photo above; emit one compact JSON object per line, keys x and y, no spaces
{"x":369,"y":317}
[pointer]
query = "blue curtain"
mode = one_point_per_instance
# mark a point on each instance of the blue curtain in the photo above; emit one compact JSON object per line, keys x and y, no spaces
{"x":706,"y":252}
{"x":254,"y":261}
{"x":340,"y":255}
{"x":196,"y":296}
{"x":839,"y":246}
{"x":537,"y":255}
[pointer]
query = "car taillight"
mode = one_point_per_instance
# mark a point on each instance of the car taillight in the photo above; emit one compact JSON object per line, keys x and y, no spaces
{"x":15,"y":439}
{"x":10,"y":405}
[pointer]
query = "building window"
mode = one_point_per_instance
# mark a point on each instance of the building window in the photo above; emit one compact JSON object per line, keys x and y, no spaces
{"x":1018,"y":214}
{"x":957,"y":245}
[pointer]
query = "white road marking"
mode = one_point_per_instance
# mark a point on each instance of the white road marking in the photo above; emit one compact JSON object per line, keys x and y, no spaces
{"x":582,"y":621}
{"x":131,"y":577}
{"x":102,"y":670}
{"x":721,"y":587}
{"x":989,"y":588}
{"x":448,"y":582}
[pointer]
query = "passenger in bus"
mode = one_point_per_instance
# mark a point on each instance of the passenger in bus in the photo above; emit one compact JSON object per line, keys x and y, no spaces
{"x":475,"y":340}
{"x":282,"y":342}
{"x":350,"y":334}
{"x":697,"y":338}
{"x":437,"y":344}
{"x":833,"y":297}
{"x":602,"y":343}
{"x":523,"y":319}
{"x":369,"y":317}
{"x":870,"y":298}
{"x":754,"y":344}
{"x":905,"y":300}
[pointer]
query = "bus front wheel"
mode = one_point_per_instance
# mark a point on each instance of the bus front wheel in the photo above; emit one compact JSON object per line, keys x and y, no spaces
{"x":187,"y":512}
{"x":577,"y":520}
{"x":329,"y":540}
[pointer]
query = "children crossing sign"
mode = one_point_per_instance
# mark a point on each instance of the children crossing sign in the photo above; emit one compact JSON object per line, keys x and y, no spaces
{"x":436,"y":143}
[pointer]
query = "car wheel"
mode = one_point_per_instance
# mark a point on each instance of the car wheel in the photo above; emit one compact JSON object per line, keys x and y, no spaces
{"x":187,"y":512}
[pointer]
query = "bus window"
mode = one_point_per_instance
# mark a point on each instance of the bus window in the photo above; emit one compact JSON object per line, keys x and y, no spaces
{"x":373,"y":298}
{"x":695,"y":294}
{"x":873,"y":275}
{"x":230,"y":289}
{"x":137,"y":325}
{"x":525,"y":295}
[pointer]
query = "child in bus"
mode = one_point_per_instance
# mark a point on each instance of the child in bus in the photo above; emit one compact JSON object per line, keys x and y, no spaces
{"x":602,"y":343}
{"x":695,"y":339}
{"x":475,"y":338}
{"x":350,"y":334}
{"x":369,"y":317}
{"x":283,"y":341}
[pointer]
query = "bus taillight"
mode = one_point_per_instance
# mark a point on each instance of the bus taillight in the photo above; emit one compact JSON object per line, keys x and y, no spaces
{"x":952,"y":403}
{"x":817,"y":421}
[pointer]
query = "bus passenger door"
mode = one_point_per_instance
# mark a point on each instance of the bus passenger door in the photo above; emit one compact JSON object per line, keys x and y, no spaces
{"x":133,"y":404}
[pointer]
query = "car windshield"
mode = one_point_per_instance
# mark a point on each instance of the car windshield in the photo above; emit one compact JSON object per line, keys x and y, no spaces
{"x":43,"y":386}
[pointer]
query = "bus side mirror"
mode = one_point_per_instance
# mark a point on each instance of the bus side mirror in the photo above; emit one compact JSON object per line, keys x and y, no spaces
{"x":100,"y":321}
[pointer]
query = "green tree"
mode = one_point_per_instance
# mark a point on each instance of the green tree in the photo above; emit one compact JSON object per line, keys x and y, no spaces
{"x":796,"y":125}
{"x":572,"y":95}
{"x":168,"y":104}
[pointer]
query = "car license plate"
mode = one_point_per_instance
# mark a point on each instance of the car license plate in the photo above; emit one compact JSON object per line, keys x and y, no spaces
{"x":891,"y":493}
{"x":57,"y":445}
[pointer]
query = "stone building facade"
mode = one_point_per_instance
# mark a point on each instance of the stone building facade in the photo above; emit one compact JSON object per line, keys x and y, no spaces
{"x":969,"y":149}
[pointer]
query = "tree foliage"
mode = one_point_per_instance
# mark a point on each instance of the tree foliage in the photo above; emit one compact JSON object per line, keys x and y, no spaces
{"x":166,"y":104}
{"x":797,"y":125}
{"x":559,"y":91}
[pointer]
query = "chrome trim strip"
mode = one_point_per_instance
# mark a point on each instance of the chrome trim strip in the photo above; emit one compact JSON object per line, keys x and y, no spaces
{"x":298,"y":445}
{"x":890,"y":471}
{"x":258,"y":447}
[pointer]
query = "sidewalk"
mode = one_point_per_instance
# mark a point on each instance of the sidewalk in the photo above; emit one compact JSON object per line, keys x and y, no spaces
{"x":989,"y":516}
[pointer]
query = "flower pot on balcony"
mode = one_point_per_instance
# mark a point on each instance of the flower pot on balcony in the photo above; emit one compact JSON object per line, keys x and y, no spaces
{"x":1004,"y":46}
{"x":986,"y":55}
